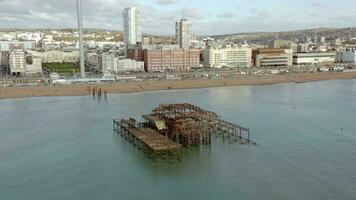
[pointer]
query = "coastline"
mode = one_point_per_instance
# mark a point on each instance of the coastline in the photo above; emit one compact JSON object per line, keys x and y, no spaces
{"x":131,"y":87}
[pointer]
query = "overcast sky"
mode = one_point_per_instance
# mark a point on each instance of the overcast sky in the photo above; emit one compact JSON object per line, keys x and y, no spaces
{"x":158,"y":16}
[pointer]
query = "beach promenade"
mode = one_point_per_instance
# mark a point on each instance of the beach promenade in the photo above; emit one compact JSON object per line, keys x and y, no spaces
{"x":129,"y":87}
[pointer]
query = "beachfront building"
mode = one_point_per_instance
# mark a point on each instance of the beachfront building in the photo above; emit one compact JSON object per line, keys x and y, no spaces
{"x":160,"y":46}
{"x":6,"y":46}
{"x":171,"y":60}
{"x":128,"y":65}
{"x":166,"y":58}
{"x":227,"y":57}
{"x":109,"y":62}
{"x":348,"y":55}
{"x":24,"y":64}
{"x":57,"y":56}
{"x":184,"y":33}
{"x":4,"y":58}
{"x":17,"y":61}
{"x":272,"y":57}
{"x":33,"y":65}
{"x":136,"y":52}
{"x":112,"y":64}
{"x":313,"y":58}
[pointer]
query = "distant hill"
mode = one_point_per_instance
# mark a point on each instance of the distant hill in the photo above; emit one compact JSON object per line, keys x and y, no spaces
{"x":258,"y":37}
{"x":329,"y":33}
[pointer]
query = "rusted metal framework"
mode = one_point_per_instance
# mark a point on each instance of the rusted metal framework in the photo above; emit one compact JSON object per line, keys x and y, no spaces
{"x":187,"y":124}
{"x":234,"y":133}
{"x":169,"y":126}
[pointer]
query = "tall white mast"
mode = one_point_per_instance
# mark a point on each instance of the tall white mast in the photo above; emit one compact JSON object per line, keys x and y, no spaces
{"x":81,"y":46}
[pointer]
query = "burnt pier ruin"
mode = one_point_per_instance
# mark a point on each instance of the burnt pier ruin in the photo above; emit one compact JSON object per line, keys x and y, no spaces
{"x":169,"y":128}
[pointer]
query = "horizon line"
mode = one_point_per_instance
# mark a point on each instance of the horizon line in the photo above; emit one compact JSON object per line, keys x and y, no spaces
{"x":153,"y":34}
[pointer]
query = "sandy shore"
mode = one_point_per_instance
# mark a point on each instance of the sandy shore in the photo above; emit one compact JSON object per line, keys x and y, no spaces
{"x":80,"y":90}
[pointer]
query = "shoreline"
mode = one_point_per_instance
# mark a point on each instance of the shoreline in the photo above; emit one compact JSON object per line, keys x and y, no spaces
{"x":145,"y":86}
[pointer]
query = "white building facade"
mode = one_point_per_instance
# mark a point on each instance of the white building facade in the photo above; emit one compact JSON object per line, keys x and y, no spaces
{"x":227,"y":57}
{"x":112,"y":64}
{"x":7,"y":45}
{"x":348,"y":56}
{"x":22,"y":63}
{"x":17,"y":62}
{"x":57,"y":56}
{"x":128,"y":65}
{"x":33,"y":65}
{"x":313,"y":58}
{"x":109,"y":62}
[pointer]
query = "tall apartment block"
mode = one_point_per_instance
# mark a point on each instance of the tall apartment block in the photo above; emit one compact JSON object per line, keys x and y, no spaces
{"x":184,"y":33}
{"x":132,"y":26}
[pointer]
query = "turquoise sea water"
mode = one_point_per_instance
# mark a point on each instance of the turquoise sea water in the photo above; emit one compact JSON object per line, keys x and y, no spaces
{"x":64,"y":148}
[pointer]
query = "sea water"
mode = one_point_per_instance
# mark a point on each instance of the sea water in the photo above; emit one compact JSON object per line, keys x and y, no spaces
{"x":65,"y":148}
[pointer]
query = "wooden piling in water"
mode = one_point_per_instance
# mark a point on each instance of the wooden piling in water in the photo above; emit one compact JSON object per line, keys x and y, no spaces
{"x":99,"y":92}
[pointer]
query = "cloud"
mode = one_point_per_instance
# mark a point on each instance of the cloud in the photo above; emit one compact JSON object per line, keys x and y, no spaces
{"x":314,"y":15}
{"x":259,"y":15}
{"x":319,"y":5}
{"x":226,"y":15}
{"x":208,"y":16}
{"x":43,"y":16}
{"x":11,"y":19}
{"x":166,"y":2}
{"x":344,"y":18}
{"x":190,"y":13}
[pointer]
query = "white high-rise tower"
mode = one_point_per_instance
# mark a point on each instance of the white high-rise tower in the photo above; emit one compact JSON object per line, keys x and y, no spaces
{"x":132,"y":26}
{"x":184,"y":33}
